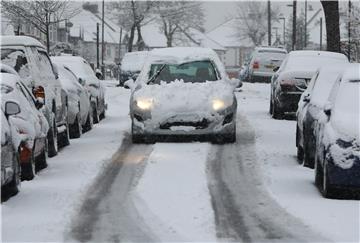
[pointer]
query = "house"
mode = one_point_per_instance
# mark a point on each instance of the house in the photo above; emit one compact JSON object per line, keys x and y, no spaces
{"x":237,"y":49}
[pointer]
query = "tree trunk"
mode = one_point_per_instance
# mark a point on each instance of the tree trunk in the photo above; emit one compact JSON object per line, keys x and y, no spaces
{"x":331,"y":11}
{"x":131,"y":38}
{"x":47,"y":33}
{"x":140,"y":41}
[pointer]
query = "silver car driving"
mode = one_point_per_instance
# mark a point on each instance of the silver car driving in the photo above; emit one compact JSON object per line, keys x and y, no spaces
{"x":183,"y":92}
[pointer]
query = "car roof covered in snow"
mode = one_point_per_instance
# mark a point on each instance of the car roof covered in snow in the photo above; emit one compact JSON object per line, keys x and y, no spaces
{"x":325,"y":81}
{"x":318,"y":53}
{"x":134,"y":61}
{"x":182,"y":54}
{"x":270,"y":49}
{"x":9,"y":40}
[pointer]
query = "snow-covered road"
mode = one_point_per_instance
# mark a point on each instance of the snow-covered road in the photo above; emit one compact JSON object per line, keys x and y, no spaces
{"x":104,"y":188}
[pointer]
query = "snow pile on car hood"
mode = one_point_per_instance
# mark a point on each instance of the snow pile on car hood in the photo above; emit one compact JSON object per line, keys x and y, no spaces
{"x":177,"y":98}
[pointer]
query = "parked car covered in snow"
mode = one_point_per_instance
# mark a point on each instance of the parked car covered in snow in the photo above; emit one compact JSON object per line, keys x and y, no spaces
{"x":10,"y":165}
{"x":310,"y":110}
{"x":29,"y":58}
{"x":78,"y":99}
{"x":30,"y":124}
{"x":183,"y":92}
{"x":86,"y":77}
{"x":337,"y":160}
{"x":262,"y":63}
{"x":293,"y":76}
{"x":131,"y":65}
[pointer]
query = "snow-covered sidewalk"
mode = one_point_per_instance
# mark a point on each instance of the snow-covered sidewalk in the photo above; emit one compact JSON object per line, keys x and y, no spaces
{"x":291,"y":184}
{"x":44,"y":205}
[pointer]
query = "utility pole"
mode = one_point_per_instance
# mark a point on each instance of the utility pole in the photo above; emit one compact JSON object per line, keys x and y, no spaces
{"x":102,"y":40}
{"x":321,"y":34}
{"x":97,"y":46}
{"x":349,"y":32}
{"x":269,"y":22}
{"x":120,"y":40}
{"x":305,"y":25}
{"x":294,"y":26}
{"x":283,"y":19}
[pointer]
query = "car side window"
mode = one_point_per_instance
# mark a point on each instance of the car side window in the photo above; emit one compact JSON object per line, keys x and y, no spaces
{"x":313,"y":82}
{"x":45,"y":65}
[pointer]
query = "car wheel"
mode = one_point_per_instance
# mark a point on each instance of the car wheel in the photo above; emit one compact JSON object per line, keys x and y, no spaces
{"x":276,"y":111}
{"x":89,"y":123}
{"x":318,"y":174}
{"x":12,"y":188}
{"x":52,"y":140}
{"x":271,"y":106}
{"x":308,"y":161}
{"x":327,"y":190}
{"x":28,"y":170}
{"x":300,"y":150}
{"x":102,"y":115}
{"x":96,"y":117}
{"x":41,"y":160}
{"x":76,"y":128}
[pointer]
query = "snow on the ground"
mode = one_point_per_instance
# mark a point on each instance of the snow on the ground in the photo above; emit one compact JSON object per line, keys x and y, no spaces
{"x":175,"y":190}
{"x":291,"y":184}
{"x":44,"y":205}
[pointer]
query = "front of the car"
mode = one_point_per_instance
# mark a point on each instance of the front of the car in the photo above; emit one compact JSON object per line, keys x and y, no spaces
{"x":183,"y":96}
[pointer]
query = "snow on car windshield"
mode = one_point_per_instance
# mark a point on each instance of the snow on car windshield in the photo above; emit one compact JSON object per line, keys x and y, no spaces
{"x":17,"y":60}
{"x":134,"y":61}
{"x":189,"y":72}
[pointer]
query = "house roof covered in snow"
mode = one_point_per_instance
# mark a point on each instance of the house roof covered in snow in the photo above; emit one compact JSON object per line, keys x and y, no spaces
{"x":84,"y":26}
{"x":226,"y":34}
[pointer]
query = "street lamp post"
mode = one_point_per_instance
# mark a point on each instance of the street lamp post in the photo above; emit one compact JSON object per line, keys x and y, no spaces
{"x":284,"y":20}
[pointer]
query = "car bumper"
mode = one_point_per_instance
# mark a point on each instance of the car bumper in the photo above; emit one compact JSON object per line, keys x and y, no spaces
{"x":344,"y":178}
{"x":288,"y":101}
{"x":260,"y":77}
{"x":221,"y":124}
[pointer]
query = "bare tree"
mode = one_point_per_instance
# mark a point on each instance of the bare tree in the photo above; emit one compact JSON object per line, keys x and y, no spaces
{"x":252,"y":20}
{"x":40,"y":14}
{"x":179,"y":16}
{"x":131,"y":15}
{"x":331,"y":11}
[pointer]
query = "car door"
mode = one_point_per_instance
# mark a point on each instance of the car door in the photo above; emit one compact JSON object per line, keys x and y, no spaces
{"x":49,"y":76}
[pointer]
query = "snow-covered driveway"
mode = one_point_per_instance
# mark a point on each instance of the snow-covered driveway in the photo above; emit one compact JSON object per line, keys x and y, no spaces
{"x":104,"y":188}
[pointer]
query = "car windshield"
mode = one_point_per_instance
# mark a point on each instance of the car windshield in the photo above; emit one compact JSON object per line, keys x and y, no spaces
{"x":190,"y":72}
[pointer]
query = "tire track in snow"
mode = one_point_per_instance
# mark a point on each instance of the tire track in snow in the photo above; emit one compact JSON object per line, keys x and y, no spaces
{"x":243,"y":209}
{"x":128,"y":158}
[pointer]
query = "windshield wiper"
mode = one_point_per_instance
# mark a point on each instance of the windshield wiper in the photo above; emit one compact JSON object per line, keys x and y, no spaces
{"x":152,"y":79}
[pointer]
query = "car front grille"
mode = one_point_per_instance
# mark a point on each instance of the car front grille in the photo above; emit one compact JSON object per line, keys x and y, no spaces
{"x":197,"y":124}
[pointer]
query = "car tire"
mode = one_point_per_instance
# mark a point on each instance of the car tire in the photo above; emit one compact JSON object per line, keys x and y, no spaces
{"x":318,"y":174}
{"x":271,"y":106}
{"x":28,"y":170}
{"x":326,"y":190}
{"x":276,"y":112}
{"x":103,"y":115}
{"x":299,"y":148}
{"x":89,"y":122}
{"x":308,"y":162}
{"x":12,"y":188}
{"x":96,"y":117}
{"x":52,"y":140}
{"x":76,"y":128}
{"x":41,"y":161}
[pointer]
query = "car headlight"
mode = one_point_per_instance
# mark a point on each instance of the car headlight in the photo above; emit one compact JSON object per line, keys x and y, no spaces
{"x":144,"y":104}
{"x":218,"y":104}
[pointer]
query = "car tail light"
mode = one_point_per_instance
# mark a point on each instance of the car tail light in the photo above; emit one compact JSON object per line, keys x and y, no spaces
{"x":255,"y":65}
{"x":39,"y":92}
{"x":25,"y":154}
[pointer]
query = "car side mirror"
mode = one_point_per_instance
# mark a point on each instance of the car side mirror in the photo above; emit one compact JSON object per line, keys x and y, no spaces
{"x":129,"y":84}
{"x":276,"y":69}
{"x":12,"y":108}
{"x":327,"y":109}
{"x":306,"y":98}
{"x":39,"y":92}
{"x":81,"y":81}
{"x":39,"y":103}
